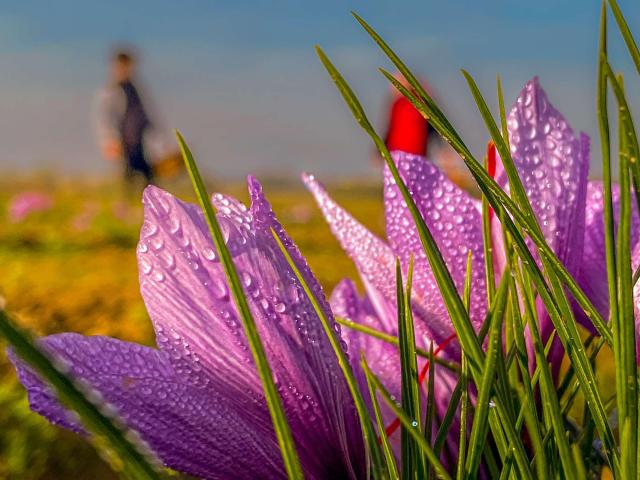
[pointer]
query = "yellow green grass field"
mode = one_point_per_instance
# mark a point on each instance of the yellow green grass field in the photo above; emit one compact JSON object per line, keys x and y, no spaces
{"x":73,"y":268}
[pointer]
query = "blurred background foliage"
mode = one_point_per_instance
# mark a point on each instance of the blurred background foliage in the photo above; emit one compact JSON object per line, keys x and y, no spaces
{"x":73,"y":268}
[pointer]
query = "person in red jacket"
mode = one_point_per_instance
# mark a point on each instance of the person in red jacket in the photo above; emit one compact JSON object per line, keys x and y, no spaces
{"x":408,"y":130}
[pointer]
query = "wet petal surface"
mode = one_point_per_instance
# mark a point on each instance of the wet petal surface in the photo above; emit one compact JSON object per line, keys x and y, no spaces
{"x":553,"y":164}
{"x":197,"y":323}
{"x":454,"y":221}
{"x":192,"y":429}
{"x":375,"y":261}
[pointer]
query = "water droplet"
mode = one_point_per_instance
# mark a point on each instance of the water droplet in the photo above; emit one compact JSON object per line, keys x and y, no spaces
{"x":209,"y":254}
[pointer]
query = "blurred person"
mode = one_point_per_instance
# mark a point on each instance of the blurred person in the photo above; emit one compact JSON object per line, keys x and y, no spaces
{"x":410,"y":132}
{"x":123,"y":119}
{"x":407,"y":129}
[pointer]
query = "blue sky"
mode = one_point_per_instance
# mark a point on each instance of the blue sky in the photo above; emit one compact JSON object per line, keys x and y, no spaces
{"x":242,"y":82}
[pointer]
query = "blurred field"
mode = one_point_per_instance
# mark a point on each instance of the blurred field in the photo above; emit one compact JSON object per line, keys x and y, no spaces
{"x":73,"y":268}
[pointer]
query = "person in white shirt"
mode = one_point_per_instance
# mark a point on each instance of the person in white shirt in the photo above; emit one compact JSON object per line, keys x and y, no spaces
{"x":122,"y":119}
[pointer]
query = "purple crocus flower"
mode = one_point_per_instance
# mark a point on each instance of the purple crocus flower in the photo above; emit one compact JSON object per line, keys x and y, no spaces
{"x":25,"y":203}
{"x":553,"y":164}
{"x":197,"y":400}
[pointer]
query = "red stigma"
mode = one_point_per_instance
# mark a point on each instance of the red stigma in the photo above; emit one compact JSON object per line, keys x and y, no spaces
{"x":393,"y":426}
{"x":491,"y":159}
{"x":491,"y":167}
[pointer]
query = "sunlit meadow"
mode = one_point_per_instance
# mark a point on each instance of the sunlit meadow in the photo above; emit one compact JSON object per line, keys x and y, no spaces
{"x":59,"y":276}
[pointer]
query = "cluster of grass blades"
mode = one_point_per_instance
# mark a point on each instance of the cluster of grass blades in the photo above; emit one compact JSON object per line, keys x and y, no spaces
{"x":513,"y":424}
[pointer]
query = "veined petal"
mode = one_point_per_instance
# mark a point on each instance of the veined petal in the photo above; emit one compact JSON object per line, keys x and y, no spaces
{"x":311,"y":355}
{"x":553,"y":164}
{"x":382,"y":357}
{"x":192,"y":429}
{"x":376,"y":264}
{"x":372,"y":256}
{"x":185,"y":290}
{"x":197,"y":323}
{"x":453,"y":219}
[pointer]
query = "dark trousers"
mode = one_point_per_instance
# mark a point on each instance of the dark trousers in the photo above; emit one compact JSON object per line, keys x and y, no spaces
{"x":136,"y":164}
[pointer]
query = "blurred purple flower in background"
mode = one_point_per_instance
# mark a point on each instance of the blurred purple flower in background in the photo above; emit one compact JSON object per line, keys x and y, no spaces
{"x":82,"y":221}
{"x":26,"y":203}
{"x":197,"y":400}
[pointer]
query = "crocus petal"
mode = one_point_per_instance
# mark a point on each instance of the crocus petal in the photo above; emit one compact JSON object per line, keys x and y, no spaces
{"x":382,"y":357}
{"x":553,"y":164}
{"x":192,"y":429}
{"x":376,"y":264}
{"x":593,"y":272}
{"x":592,"y":276}
{"x":452,"y":218}
{"x":196,"y":322}
{"x":372,"y":256}
{"x":310,"y":351}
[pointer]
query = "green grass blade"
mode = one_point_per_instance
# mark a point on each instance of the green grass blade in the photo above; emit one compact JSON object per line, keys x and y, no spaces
{"x":626,"y":33}
{"x":407,"y":422}
{"x":368,"y":431}
{"x":445,"y":424}
{"x":605,"y":142}
{"x":573,"y":389}
{"x":528,"y":403}
{"x":431,"y":409}
{"x":506,"y":468}
{"x":436,"y":117}
{"x":630,"y":137}
{"x":466,"y":293}
{"x":608,"y":213}
{"x":274,"y":402}
{"x":410,"y":451}
{"x":515,"y":185}
{"x":550,"y":399}
{"x":480,"y":425}
{"x":534,"y":382}
{"x":581,"y":471}
{"x":132,"y":460}
{"x":516,"y":447}
{"x":465,"y":406}
{"x":390,"y":458}
{"x":393,"y":340}
{"x":626,"y":363}
{"x":503,"y":112}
